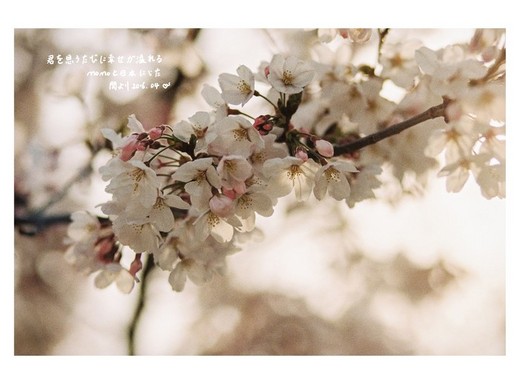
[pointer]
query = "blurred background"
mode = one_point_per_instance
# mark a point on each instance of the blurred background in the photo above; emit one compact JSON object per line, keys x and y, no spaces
{"x":417,"y":271}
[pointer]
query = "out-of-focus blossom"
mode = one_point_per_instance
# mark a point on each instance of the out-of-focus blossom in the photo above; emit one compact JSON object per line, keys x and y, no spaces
{"x":115,"y":273}
{"x":398,"y":61}
{"x":449,"y":69}
{"x":355,"y":35}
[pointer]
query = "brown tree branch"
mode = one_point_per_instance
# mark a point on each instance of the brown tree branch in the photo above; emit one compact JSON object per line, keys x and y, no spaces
{"x":429,"y":114}
{"x":139,"y":308}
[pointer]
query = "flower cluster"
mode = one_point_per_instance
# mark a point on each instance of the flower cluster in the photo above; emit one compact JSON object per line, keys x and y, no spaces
{"x":185,"y":194}
{"x":473,"y":140}
{"x":355,"y":35}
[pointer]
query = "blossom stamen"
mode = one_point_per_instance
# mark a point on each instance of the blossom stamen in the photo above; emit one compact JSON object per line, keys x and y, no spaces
{"x":287,"y":77}
{"x":332,"y":174}
{"x":213,"y":220}
{"x":243,"y":87}
{"x":240,"y":134}
{"x":293,"y":172}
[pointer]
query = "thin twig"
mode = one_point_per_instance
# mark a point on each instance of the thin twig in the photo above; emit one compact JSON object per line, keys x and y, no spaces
{"x":34,"y":221}
{"x":31,"y":225}
{"x":382,"y":35}
{"x":429,"y":114}
{"x":83,"y":173}
{"x":140,"y":304}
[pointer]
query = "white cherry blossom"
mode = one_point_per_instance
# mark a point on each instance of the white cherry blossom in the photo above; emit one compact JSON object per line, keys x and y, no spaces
{"x":200,"y":177}
{"x":222,"y":205}
{"x":235,"y":136}
{"x":270,"y":150}
{"x":254,"y":202}
{"x":332,"y":178}
{"x":214,"y":99}
{"x":234,"y":171}
{"x":140,"y":236}
{"x":290,"y":174}
{"x":210,"y":224}
{"x":198,"y":126}
{"x":131,"y":180}
{"x":289,"y":75}
{"x":237,"y":89}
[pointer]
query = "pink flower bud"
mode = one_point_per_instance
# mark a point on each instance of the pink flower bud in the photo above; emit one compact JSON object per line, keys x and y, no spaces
{"x":343,"y":32}
{"x":129,"y":149}
{"x":155,"y":133}
{"x":231,"y":193}
{"x":324,"y":148}
{"x":260,"y":120}
{"x":262,"y":124}
{"x":240,"y":188}
{"x":141,"y":146}
{"x":266,"y":71}
{"x":136,"y":265}
{"x":104,"y":250}
{"x":104,"y":246}
{"x":142,"y":136}
{"x":221,"y":205}
{"x":301,"y":154}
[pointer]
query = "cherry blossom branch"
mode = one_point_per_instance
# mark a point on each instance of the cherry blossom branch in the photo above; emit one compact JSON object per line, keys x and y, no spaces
{"x":429,"y":114}
{"x":83,"y":173}
{"x":140,"y":305}
{"x":33,"y":222}
{"x":30,"y":225}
